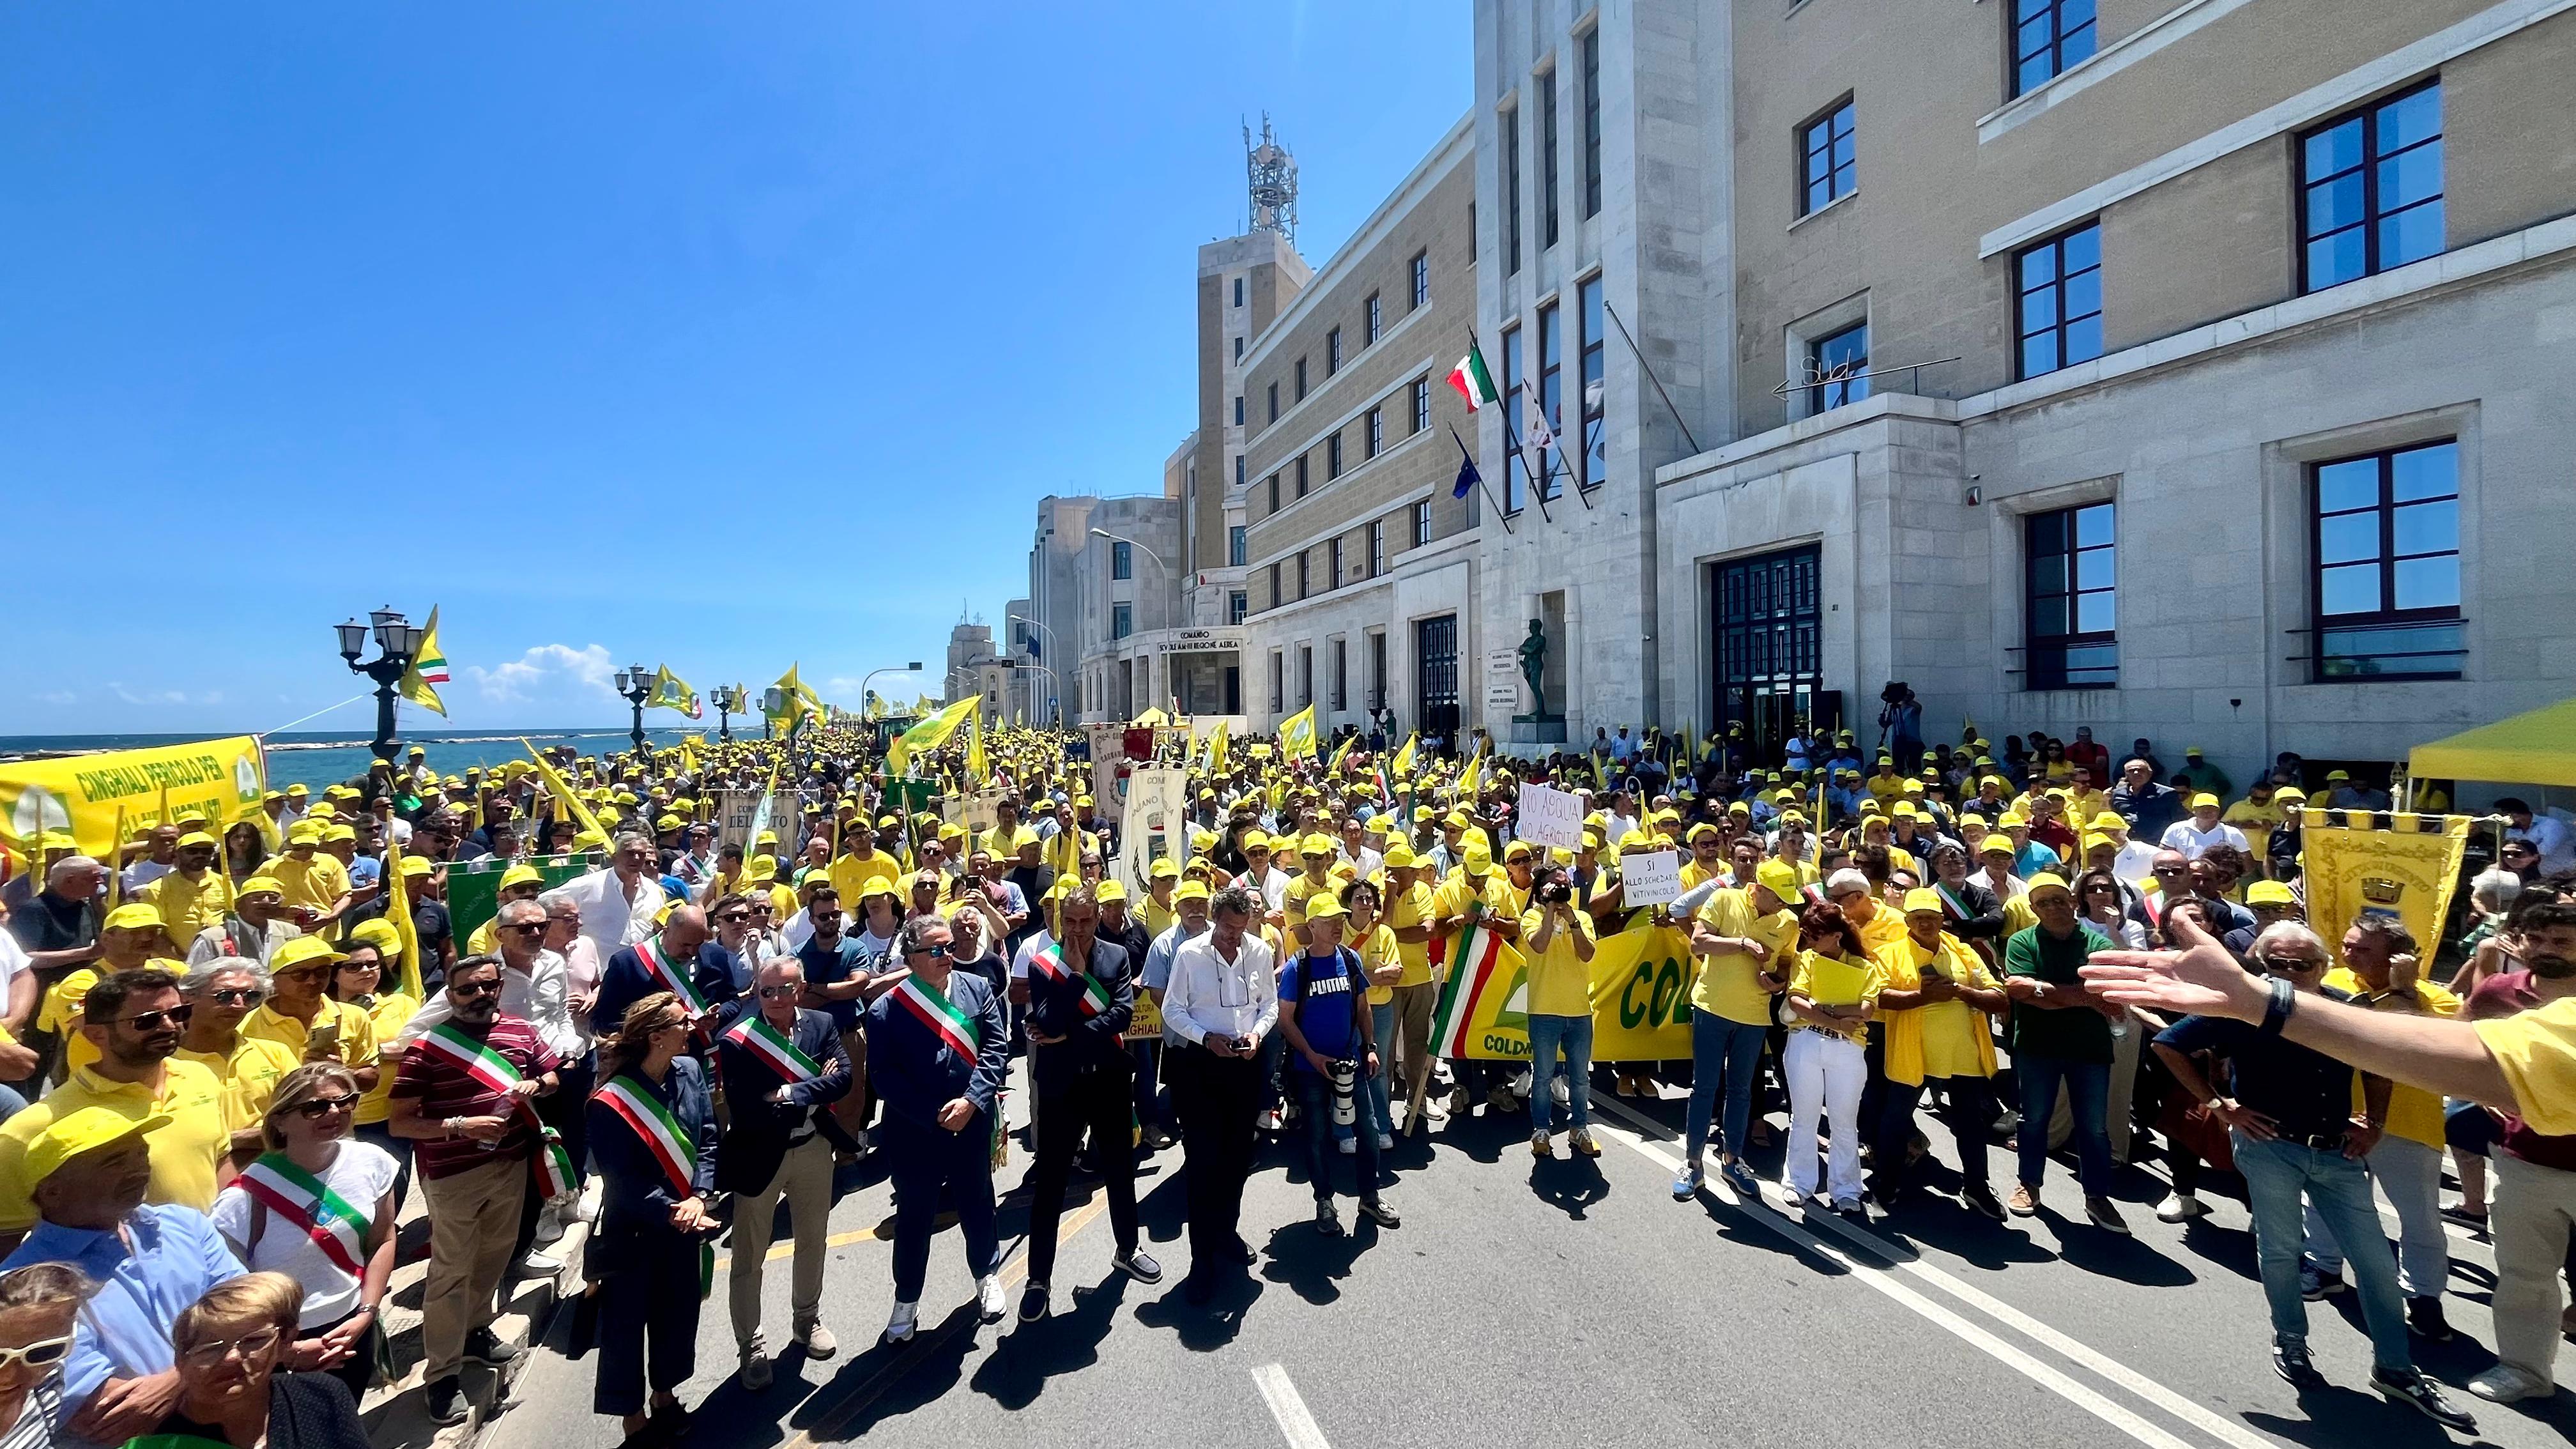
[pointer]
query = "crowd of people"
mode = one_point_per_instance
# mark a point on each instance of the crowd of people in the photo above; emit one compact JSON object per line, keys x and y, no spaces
{"x":244,"y":1052}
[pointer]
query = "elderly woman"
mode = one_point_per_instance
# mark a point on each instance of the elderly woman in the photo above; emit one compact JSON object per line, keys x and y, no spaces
{"x":320,"y":1208}
{"x":370,"y":980}
{"x":38,"y":1304}
{"x":229,"y":1345}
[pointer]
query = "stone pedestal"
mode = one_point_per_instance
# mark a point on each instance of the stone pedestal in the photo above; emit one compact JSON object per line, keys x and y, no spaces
{"x":1538,"y":729}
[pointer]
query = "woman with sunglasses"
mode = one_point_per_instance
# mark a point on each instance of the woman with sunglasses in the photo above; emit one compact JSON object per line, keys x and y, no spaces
{"x":38,"y":1305}
{"x":228,"y":1347}
{"x":653,"y":1134}
{"x":319,"y":1207}
{"x":2103,"y":903}
{"x":370,"y":981}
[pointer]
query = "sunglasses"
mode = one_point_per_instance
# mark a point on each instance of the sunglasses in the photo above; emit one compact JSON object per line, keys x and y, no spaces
{"x":43,"y":1353}
{"x":474,"y":988}
{"x":156,"y":1020}
{"x":2298,"y":965}
{"x":528,"y":928}
{"x":320,"y":1107}
{"x":935,"y":953}
{"x":237,"y":995}
{"x":250,"y":1345}
{"x":773,"y":993}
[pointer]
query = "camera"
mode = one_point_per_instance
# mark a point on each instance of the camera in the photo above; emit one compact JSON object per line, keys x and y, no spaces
{"x":1551,"y":887}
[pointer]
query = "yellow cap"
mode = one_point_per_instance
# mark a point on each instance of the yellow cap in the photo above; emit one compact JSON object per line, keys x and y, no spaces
{"x":301,"y":951}
{"x":1477,"y":857}
{"x":196,"y":837}
{"x":1399,"y":856}
{"x":1109,"y":890}
{"x":413,"y":865}
{"x":519,"y":875}
{"x":2270,"y":893}
{"x":1919,"y":899}
{"x":1324,"y":908}
{"x":1698,"y":833}
{"x":1517,"y":850}
{"x":379,"y":933}
{"x":2204,"y":801}
{"x":1190,"y":890}
{"x":304,"y":832}
{"x":1995,"y":845}
{"x":1163,"y":866}
{"x":1778,"y":877}
{"x":2290,"y":793}
{"x":2049,"y":881}
{"x":82,"y":1130}
{"x":270,"y":885}
{"x":2109,"y":820}
{"x":1317,"y":843}
{"x":133,"y":916}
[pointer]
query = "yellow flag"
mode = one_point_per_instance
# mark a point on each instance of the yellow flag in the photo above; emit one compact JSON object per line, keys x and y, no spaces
{"x":930,"y":734}
{"x":1469,"y":778}
{"x":562,"y":790}
{"x":1341,"y":752}
{"x":975,"y":748}
{"x":1403,"y":762}
{"x":428,"y":669}
{"x":1297,"y":734}
{"x":1216,"y":749}
{"x":398,"y":911}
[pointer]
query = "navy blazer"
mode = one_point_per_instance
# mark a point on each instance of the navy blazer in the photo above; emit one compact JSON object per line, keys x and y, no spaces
{"x":625,"y":981}
{"x":1091,"y":1043}
{"x":635,"y":1193}
{"x":915,"y":1072}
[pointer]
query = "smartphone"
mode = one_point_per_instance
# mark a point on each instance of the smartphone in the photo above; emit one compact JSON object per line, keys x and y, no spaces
{"x":325,"y":1034}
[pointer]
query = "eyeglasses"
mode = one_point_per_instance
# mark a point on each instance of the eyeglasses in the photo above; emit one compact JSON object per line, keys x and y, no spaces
{"x":250,"y":1345}
{"x":237,"y":995}
{"x":2289,"y":963}
{"x":935,"y":953}
{"x":474,"y":988}
{"x":43,"y":1353}
{"x":155,"y":1020}
{"x":320,"y":1107}
{"x":528,"y":928}
{"x":773,"y":993}
{"x":2173,"y":870}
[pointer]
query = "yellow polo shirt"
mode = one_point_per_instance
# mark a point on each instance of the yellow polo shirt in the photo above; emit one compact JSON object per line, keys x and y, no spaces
{"x":1405,"y":910}
{"x":358,"y":1045}
{"x":2413,"y":1113}
{"x":1560,"y":982}
{"x":60,"y":1011}
{"x":392,"y":1011}
{"x":318,"y":883}
{"x":1377,"y":951}
{"x":2536,"y":1050}
{"x":249,"y":1077}
{"x":186,"y":1154}
{"x":188,"y":907}
{"x":851,"y":874}
{"x":1726,"y":987}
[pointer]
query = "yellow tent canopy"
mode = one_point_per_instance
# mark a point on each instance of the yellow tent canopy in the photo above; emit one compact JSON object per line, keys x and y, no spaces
{"x":1152,"y":717}
{"x":2537,"y":748}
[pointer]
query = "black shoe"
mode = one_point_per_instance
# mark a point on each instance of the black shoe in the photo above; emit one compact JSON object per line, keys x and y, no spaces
{"x":2413,"y":1386}
{"x":445,"y":1400}
{"x":484,"y":1347}
{"x":1326,"y":1222}
{"x":669,"y":1420}
{"x":1138,"y":1264}
{"x":1983,"y":1199}
{"x":1247,"y":1253}
{"x":1033,"y":1303}
{"x":2295,"y":1367}
{"x":2424,"y":1319}
{"x":1379,"y":1213}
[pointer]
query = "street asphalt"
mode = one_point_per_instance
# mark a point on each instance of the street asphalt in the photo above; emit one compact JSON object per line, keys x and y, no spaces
{"x":1572,"y":1302}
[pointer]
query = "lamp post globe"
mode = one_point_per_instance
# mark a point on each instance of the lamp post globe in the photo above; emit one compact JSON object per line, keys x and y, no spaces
{"x":397,"y":640}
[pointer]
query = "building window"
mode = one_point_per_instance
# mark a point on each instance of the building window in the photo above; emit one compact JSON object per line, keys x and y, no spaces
{"x":1375,"y":317}
{"x":1516,"y":470}
{"x":1237,"y":604}
{"x":1305,"y":675}
{"x":2370,"y":189}
{"x":1341,"y":674}
{"x":1333,"y":456}
{"x":1511,"y":128}
{"x":1302,"y":586}
{"x":1235,"y":543}
{"x":1588,"y":317}
{"x":2049,"y":37}
{"x":1301,"y":379}
{"x":1827,"y":168}
{"x":2387,"y":550}
{"x":1238,"y":410}
{"x":1122,"y":561}
{"x":1422,"y":523}
{"x":1122,"y":620}
{"x":1238,"y":349}
{"x":1238,"y":470}
{"x":1274,"y":403}
{"x":1836,"y":363}
{"x":1332,"y":565}
{"x":1420,"y":409}
{"x":1421,"y":272}
{"x":1274,"y":493}
{"x":1376,"y":431}
{"x":2057,"y":301}
{"x":1301,"y":475}
{"x":1332,"y":352}
{"x":1277,"y":597}
{"x":1592,"y":122}
{"x":1376,"y":547}
{"x":1377,"y":670}
{"x":1238,"y":291}
{"x":1278,"y":682}
{"x":2069,"y":601}
{"x":1547,"y":158}
{"x":1551,"y":342}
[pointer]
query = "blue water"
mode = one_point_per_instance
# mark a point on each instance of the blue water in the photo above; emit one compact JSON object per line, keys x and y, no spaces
{"x":315,"y":758}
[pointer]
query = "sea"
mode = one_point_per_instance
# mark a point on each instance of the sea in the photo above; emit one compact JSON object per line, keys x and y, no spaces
{"x":315,"y":758}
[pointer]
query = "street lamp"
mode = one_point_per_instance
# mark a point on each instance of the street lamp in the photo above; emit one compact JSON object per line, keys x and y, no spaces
{"x":397,"y":640}
{"x":635,"y":686}
{"x":1054,"y":715}
{"x":726,"y":699}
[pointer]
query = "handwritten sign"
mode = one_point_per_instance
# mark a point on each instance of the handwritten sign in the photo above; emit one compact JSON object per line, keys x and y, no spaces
{"x":1550,"y":817}
{"x":1652,"y":879}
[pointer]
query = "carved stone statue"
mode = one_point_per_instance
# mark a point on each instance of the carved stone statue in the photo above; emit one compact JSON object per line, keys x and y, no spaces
{"x":1534,"y":667}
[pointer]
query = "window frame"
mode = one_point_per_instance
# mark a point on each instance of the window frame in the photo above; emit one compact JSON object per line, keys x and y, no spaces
{"x":1515,"y":468}
{"x":1807,"y":152}
{"x":2055,"y":47}
{"x":1372,"y":319}
{"x":2367,"y":169}
{"x":2055,"y":248}
{"x":1333,"y":455}
{"x":1332,"y":563}
{"x":1550,"y":205}
{"x":1341,"y":699}
{"x":1418,"y":274}
{"x":1274,"y":493}
{"x":1302,"y":473}
{"x":1418,"y":405}
{"x":1816,"y":403}
{"x":1376,"y":547}
{"x":1301,"y":379}
{"x":1551,"y":387}
{"x":1511,"y":128}
{"x":2388,"y":615}
{"x":1421,"y":522}
{"x":1591,"y":46}
{"x":1122,"y":619}
{"x":1333,"y":353}
{"x":1238,"y":605}
{"x":1238,"y":544}
{"x":1373,"y":432}
{"x":2044,"y":656}
{"x":1122,"y":560}
{"x":1274,"y":402}
{"x":1590,"y":312}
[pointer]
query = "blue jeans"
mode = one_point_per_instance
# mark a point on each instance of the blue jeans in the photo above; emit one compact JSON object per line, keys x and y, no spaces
{"x":1315,"y":1104}
{"x":12,"y":1102}
{"x":1382,"y":1026}
{"x":1724,"y":1054}
{"x":1572,"y":1034}
{"x":2278,"y":1176}
{"x":2088,"y":1090}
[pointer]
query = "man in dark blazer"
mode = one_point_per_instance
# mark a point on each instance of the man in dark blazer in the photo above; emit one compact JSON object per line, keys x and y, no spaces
{"x":780,"y":1065}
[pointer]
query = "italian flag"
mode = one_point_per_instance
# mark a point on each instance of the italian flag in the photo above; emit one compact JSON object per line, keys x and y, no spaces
{"x":1471,"y":379}
{"x":954,"y":1028}
{"x":1474,"y":962}
{"x":336,"y":1227}
{"x":648,"y":1119}
{"x":756,"y":1036}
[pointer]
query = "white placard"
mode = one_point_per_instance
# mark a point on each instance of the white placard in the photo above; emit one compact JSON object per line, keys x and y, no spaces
{"x":1157,"y":823}
{"x":1550,"y":817}
{"x":1502,"y":685}
{"x":1651,"y":879}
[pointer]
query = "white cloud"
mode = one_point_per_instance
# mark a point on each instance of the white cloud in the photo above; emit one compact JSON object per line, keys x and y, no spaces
{"x":545,"y":669}
{"x":153,"y":696}
{"x":59,"y":696}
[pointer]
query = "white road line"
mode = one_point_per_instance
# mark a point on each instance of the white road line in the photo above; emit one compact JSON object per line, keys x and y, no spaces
{"x":1288,"y":1407}
{"x":1878,"y":1279}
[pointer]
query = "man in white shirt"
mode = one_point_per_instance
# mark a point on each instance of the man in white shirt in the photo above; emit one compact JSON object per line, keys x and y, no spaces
{"x":162,"y":859}
{"x":1222,"y":1001}
{"x":621,"y":903}
{"x":2548,"y":834}
{"x":2194,"y":836}
{"x":1364,"y":859}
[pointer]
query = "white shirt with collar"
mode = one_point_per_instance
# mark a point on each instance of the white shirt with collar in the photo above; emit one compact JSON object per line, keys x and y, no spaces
{"x":541,"y":996}
{"x":611,"y":920}
{"x":1208,"y":993}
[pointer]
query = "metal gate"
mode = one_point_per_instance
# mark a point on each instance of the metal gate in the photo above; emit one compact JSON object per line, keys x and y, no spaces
{"x":1769,"y":661}
{"x":1435,"y":676}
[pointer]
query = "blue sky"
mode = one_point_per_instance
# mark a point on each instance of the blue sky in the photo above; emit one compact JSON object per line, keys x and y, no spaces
{"x":711,"y":335}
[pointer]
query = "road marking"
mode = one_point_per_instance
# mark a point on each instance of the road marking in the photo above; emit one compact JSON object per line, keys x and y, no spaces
{"x":1288,"y":1408}
{"x":1877,"y":1277}
{"x":786,"y":1247}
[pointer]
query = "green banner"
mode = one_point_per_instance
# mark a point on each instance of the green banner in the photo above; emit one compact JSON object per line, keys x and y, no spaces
{"x":474,"y":886}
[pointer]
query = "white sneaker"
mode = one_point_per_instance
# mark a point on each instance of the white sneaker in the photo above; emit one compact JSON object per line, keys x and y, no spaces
{"x":534,"y":1264}
{"x":585,"y":1208}
{"x":550,"y":1228}
{"x":899,"y":1327}
{"x":1348,"y":1146}
{"x":988,"y":1298}
{"x":1386,"y":1142}
{"x":2181,"y":1207}
{"x":2505,"y":1384}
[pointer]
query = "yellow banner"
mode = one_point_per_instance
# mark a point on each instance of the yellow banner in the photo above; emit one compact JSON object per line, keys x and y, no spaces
{"x":83,"y":793}
{"x":2407,"y":871}
{"x":1641,"y":983}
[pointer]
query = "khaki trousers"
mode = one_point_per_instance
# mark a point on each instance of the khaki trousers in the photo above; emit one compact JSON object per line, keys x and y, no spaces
{"x":2531,"y":1217}
{"x":1413,"y":1008}
{"x":804,"y":1177}
{"x":474,"y":1223}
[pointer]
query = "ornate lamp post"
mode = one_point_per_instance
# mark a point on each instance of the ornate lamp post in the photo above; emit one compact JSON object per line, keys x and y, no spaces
{"x":635,"y":685}
{"x":726,"y":699}
{"x":397,"y":640}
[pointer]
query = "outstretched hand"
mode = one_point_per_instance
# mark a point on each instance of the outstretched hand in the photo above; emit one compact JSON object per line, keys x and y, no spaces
{"x":2201,"y":979}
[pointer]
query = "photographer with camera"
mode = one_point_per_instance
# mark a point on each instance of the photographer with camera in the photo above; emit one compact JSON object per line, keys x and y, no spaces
{"x":1324,"y":1016}
{"x":1557,"y":943}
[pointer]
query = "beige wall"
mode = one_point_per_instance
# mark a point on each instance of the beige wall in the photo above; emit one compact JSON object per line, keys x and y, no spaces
{"x":2208,"y":243}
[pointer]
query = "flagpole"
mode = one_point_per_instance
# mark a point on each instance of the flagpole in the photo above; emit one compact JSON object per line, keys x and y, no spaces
{"x":1481,"y":485}
{"x":1649,"y":369}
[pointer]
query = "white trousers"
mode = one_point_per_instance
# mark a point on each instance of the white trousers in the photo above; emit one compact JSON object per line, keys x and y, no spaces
{"x":1826,"y":1074}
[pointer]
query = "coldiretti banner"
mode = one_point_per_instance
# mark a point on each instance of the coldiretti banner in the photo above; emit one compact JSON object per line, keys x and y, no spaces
{"x":1640,"y":999}
{"x":83,"y":793}
{"x":2407,"y":871}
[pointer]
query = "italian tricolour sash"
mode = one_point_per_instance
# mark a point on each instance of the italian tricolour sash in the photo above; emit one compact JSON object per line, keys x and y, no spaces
{"x":935,"y":1011}
{"x":674,"y":980}
{"x":335,"y":1225}
{"x":754,"y":1034}
{"x":648,"y":1119}
{"x":478,"y":1060}
{"x":1957,"y":904}
{"x":1095,"y":997}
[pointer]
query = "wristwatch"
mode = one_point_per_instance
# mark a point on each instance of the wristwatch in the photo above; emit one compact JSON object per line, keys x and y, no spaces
{"x":2277,"y":1009}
